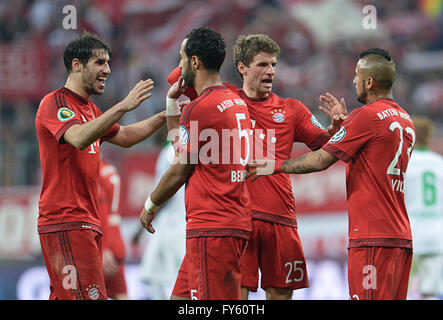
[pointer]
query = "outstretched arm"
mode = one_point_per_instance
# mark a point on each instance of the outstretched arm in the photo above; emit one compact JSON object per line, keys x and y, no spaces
{"x":134,"y":133}
{"x":318,"y":160}
{"x":83,"y":135}
{"x":314,"y":161}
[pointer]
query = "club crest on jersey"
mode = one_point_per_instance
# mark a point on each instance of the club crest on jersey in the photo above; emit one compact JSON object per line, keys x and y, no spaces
{"x":316,"y":123}
{"x":184,"y":136}
{"x":339,"y":136}
{"x":93,"y":292}
{"x":65,"y":114}
{"x":278,"y":115}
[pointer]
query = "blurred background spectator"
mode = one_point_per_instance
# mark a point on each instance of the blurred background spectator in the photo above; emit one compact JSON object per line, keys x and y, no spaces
{"x":320,"y":41}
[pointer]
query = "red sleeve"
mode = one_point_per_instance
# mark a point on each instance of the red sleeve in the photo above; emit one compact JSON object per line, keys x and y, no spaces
{"x":308,"y":129}
{"x":173,"y":78}
{"x":111,"y":132}
{"x":57,"y":119}
{"x":355,"y":132}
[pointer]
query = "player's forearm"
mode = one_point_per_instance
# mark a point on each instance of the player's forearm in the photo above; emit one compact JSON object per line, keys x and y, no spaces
{"x":172,"y":123}
{"x":139,"y":131}
{"x":311,"y":162}
{"x":170,"y":183}
{"x":82,"y":136}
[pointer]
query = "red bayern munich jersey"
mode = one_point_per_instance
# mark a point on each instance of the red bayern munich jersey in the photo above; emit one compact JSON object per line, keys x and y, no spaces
{"x":376,"y":141}
{"x":109,"y":205}
{"x":278,"y":123}
{"x":69,"y":195}
{"x":216,"y":196}
{"x":271,"y":196}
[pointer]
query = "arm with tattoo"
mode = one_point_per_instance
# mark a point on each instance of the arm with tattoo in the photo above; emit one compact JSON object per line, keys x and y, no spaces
{"x":310,"y":162}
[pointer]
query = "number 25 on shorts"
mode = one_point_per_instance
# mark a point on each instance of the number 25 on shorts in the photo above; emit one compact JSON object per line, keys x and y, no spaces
{"x":295,"y":271}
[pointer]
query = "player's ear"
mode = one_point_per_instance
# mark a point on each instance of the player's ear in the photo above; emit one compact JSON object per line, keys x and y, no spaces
{"x":195,"y":62}
{"x":76,"y":65}
{"x":370,"y":83}
{"x":241,"y":68}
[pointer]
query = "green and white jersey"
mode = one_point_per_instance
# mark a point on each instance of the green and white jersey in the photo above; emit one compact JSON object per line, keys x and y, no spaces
{"x":424,"y":201}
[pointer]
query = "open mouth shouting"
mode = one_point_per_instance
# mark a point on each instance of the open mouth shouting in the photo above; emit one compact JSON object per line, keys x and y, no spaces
{"x":101,"y":82}
{"x":267,"y":83}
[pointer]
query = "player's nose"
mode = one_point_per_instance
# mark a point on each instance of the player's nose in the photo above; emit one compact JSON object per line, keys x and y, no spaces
{"x":107,"y":68}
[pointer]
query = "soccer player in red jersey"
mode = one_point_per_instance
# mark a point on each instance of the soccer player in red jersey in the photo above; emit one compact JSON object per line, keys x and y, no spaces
{"x":275,"y":247}
{"x":376,"y":142}
{"x":212,"y":151}
{"x":70,"y":129}
{"x":110,"y":218}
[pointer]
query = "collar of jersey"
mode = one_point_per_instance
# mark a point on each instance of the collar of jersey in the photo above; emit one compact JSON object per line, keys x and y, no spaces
{"x":245,"y":97}
{"x":77,"y":96}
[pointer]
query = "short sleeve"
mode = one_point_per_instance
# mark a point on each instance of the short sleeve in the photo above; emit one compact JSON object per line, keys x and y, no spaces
{"x":355,"y":132}
{"x":190,"y":126}
{"x":308,"y":129}
{"x":110,"y":133}
{"x":57,"y":119}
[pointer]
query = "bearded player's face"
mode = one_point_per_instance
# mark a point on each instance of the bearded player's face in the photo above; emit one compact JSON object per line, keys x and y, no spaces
{"x":186,"y":70}
{"x":95,"y":72}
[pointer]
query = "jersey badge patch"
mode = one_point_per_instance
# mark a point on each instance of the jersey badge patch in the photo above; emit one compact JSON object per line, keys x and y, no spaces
{"x":316,"y":123}
{"x":184,"y":136}
{"x":278,"y":115}
{"x":65,"y":114}
{"x":339,"y":136}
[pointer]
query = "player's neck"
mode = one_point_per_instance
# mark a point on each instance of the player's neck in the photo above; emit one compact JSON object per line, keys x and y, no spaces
{"x":75,"y":86}
{"x":254,"y":94}
{"x":382,"y":95}
{"x":205,"y":80}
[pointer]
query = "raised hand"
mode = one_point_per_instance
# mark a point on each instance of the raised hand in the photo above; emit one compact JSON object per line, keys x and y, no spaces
{"x":177,"y":89}
{"x":337,"y":111}
{"x":138,"y":94}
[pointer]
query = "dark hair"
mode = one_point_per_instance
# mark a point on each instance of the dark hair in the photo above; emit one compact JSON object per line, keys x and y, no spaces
{"x":82,"y":48}
{"x":376,"y":51}
{"x":208,"y":46}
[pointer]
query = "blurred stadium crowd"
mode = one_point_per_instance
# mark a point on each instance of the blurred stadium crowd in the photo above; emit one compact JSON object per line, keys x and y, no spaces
{"x":320,"y":41}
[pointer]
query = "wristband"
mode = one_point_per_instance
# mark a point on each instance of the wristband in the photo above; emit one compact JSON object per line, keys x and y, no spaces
{"x":172,"y":108}
{"x":149,"y":205}
{"x":278,"y":166}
